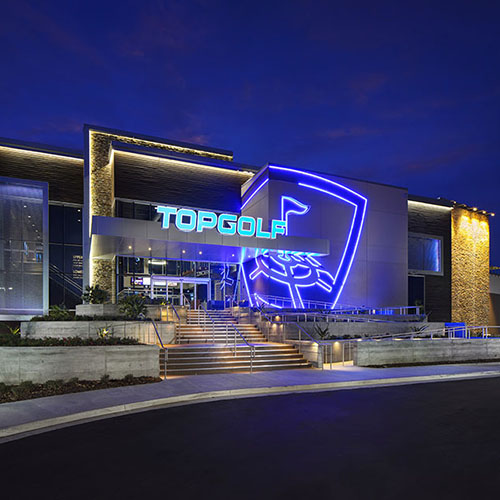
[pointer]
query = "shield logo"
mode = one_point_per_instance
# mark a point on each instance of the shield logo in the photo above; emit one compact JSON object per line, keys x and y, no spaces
{"x":304,"y":278}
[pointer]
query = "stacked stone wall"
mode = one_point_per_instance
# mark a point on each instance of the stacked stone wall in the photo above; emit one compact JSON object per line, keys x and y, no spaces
{"x":470,"y":239}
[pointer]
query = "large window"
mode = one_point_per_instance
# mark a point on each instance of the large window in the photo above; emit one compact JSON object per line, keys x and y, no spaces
{"x":66,"y":261}
{"x":136,"y":210}
{"x":133,"y":274}
{"x":425,"y":254}
{"x":22,"y":223}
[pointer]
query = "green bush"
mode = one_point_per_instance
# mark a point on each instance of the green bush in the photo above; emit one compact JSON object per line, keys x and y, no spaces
{"x":59,"y":313}
{"x":132,"y":306}
{"x":95,"y":295}
{"x":322,"y":333}
{"x":14,"y":330}
{"x":105,"y":332}
{"x":56,"y":313}
{"x":16,"y":341}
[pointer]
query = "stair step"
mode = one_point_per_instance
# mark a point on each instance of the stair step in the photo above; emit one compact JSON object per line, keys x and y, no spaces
{"x":243,"y":368}
{"x":202,"y":356}
{"x":202,"y":347}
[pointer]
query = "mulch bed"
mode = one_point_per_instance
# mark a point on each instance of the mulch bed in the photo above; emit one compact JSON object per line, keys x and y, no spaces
{"x":28,"y":390}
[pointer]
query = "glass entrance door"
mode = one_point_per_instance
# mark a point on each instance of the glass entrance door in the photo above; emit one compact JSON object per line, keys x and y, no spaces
{"x":188,"y":292}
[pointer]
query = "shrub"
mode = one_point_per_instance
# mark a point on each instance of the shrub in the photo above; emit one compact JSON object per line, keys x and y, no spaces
{"x":132,"y":306}
{"x":322,"y":333}
{"x":59,"y":313}
{"x":105,"y":332}
{"x":14,"y":330}
{"x":16,"y":341}
{"x":95,"y":295}
{"x":129,"y":378}
{"x":105,"y":379}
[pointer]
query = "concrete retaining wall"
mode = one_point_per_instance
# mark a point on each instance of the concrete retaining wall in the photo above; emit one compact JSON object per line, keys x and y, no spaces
{"x":366,"y":329}
{"x":309,"y":350}
{"x":39,"y":364}
{"x":160,"y":313}
{"x":143,"y":331}
{"x":425,"y":351}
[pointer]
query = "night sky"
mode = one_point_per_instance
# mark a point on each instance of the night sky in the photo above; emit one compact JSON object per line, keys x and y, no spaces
{"x":400,"y":93}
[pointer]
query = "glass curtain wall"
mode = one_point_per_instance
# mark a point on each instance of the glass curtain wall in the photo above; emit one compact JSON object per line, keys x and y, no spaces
{"x":22,"y":245}
{"x":66,"y":255}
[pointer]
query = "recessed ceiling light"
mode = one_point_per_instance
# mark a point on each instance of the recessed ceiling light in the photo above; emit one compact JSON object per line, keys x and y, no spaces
{"x":184,"y":251}
{"x":199,"y":252}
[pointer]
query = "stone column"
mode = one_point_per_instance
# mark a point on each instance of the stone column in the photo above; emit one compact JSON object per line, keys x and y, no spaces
{"x":470,"y":262}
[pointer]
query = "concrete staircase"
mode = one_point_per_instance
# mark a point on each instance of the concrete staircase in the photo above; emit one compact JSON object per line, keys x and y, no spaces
{"x":216,"y":328}
{"x":211,"y":345}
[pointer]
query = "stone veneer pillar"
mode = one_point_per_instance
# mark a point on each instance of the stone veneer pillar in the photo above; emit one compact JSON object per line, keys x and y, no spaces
{"x":470,"y":248}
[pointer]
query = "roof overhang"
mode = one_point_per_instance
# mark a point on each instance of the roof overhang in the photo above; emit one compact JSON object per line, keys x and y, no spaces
{"x":113,"y":236}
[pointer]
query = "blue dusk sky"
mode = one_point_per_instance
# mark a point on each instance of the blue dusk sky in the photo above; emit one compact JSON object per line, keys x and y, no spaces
{"x":404,"y":93}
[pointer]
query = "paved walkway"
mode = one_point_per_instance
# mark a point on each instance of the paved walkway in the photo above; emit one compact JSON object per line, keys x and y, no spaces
{"x":36,"y":415}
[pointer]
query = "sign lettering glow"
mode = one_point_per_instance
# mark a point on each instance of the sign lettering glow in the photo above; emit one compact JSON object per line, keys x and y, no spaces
{"x":188,"y":220}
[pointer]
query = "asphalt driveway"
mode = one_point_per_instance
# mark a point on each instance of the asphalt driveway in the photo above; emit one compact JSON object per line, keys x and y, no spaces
{"x":438,"y":440}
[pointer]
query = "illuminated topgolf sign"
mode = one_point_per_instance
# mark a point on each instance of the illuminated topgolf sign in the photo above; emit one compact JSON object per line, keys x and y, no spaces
{"x":188,"y":220}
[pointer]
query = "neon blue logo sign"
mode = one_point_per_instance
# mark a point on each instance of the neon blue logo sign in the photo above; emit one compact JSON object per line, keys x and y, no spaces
{"x":188,"y":220}
{"x":298,"y":270}
{"x":295,"y":271}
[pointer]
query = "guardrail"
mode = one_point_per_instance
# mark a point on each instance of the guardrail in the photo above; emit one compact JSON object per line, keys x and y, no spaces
{"x":286,"y":303}
{"x":326,"y":317}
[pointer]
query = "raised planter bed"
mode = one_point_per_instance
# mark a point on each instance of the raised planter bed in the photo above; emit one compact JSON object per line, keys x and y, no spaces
{"x":40,"y":364}
{"x":143,"y":331}
{"x":426,"y":351}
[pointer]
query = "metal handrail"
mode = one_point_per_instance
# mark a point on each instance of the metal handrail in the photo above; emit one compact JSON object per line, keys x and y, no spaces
{"x":329,"y":317}
{"x":176,"y":313}
{"x":158,"y":336}
{"x":211,"y":319}
{"x":319,"y":344}
{"x":343,"y":308}
{"x":175,"y":326}
{"x":188,"y":300}
{"x":251,"y":346}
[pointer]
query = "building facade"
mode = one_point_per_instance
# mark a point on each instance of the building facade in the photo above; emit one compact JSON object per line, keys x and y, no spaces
{"x":183,"y":222}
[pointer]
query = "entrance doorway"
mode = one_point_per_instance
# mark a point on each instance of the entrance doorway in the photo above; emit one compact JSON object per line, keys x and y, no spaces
{"x":178,"y":291}
{"x":416,"y":291}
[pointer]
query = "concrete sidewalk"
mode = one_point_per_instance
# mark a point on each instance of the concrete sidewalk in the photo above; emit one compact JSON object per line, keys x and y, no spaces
{"x":37,"y":415}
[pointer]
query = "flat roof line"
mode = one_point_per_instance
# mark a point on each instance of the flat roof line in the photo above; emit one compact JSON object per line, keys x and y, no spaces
{"x":125,"y":147}
{"x":160,"y":140}
{"x":41,"y":148}
{"x":431,"y":201}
